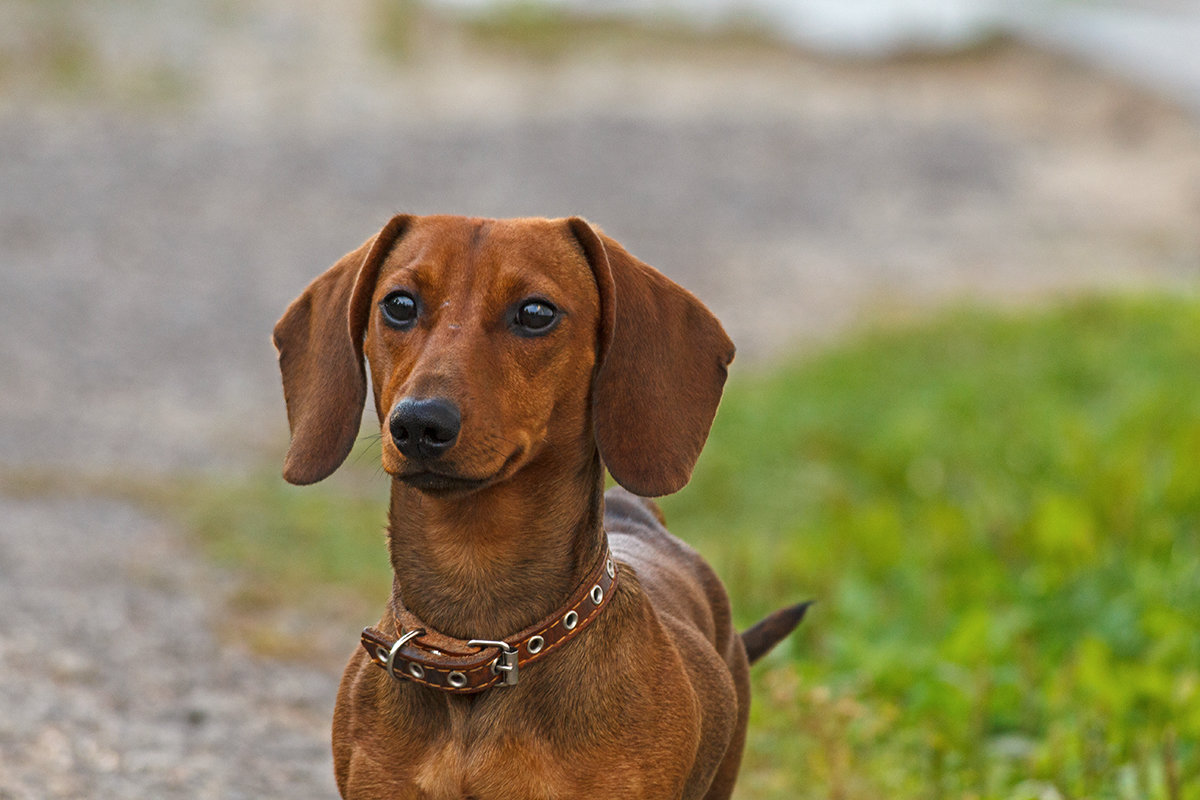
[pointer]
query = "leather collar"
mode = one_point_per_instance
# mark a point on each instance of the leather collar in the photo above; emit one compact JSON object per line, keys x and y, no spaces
{"x":465,"y":666}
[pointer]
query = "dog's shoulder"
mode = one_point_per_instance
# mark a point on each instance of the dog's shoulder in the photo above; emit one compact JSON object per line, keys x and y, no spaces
{"x":625,"y":511}
{"x":637,"y":529}
{"x":668,"y":568}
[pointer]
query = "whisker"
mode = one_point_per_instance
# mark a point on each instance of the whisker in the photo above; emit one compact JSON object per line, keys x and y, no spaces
{"x":372,"y":441}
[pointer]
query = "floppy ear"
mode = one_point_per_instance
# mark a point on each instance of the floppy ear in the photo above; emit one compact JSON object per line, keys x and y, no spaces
{"x":662,"y":363}
{"x":319,"y":339}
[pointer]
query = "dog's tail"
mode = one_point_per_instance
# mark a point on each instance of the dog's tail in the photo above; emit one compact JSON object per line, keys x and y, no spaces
{"x":760,"y":637}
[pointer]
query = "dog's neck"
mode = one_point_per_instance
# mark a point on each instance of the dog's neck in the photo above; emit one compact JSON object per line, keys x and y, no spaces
{"x":487,"y":564}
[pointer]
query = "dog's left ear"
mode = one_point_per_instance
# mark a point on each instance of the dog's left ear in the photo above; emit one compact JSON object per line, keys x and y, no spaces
{"x":662,"y":362}
{"x":320,"y":344}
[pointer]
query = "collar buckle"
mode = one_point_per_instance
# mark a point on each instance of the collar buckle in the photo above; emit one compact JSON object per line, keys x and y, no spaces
{"x":505,"y":664}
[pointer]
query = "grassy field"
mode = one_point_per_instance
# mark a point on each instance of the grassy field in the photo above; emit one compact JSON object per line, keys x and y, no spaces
{"x":999,"y":519}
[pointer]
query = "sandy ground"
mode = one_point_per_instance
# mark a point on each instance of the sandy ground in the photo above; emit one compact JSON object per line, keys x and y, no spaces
{"x":146,"y":248}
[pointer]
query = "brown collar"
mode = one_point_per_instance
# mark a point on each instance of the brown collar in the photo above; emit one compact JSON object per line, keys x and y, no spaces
{"x":464,"y":666}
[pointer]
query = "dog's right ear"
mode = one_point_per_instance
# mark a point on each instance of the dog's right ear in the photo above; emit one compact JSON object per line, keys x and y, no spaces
{"x":320,"y":344}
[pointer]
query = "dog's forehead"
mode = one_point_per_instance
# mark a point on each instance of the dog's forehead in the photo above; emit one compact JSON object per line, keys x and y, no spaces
{"x":487,"y":252}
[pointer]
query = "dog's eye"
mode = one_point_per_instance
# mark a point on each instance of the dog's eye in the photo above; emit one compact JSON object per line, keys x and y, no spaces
{"x":536,"y":316}
{"x":399,"y":309}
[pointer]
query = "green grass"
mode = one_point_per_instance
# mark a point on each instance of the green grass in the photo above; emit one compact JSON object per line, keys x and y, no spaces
{"x":999,"y":518}
{"x":294,"y":540}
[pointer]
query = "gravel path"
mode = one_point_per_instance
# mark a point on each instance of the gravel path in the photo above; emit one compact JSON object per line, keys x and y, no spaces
{"x":145,"y":255}
{"x":115,"y":685}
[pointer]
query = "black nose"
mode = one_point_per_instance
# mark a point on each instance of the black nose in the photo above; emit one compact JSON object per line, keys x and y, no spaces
{"x":424,"y":429}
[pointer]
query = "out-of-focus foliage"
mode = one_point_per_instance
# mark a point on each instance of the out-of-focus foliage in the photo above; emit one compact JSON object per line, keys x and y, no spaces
{"x":1000,"y":520}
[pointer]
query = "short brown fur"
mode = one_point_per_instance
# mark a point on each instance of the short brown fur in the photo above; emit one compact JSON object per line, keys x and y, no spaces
{"x":651,"y":701}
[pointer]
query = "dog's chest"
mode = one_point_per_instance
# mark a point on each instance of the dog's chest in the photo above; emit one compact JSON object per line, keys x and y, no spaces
{"x":508,"y":767}
{"x":511,"y":768}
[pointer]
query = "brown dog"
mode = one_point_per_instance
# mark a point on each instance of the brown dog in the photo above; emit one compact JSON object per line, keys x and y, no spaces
{"x":511,"y":362}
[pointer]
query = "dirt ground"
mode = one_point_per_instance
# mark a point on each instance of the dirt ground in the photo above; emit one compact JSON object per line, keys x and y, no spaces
{"x":149,"y":242}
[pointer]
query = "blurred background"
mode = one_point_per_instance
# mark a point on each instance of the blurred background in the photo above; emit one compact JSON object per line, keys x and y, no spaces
{"x":956,"y":243}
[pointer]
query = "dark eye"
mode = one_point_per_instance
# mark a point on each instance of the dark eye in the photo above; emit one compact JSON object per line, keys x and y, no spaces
{"x":536,"y":316}
{"x":399,"y":309}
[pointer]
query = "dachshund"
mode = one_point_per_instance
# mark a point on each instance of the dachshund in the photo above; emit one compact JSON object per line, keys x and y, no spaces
{"x":544,"y":638}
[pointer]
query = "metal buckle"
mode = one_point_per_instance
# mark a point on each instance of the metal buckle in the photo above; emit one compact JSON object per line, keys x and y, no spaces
{"x":505,"y":664}
{"x":390,"y":664}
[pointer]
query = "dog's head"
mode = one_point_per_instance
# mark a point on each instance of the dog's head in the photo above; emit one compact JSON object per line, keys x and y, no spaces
{"x":494,"y":344}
